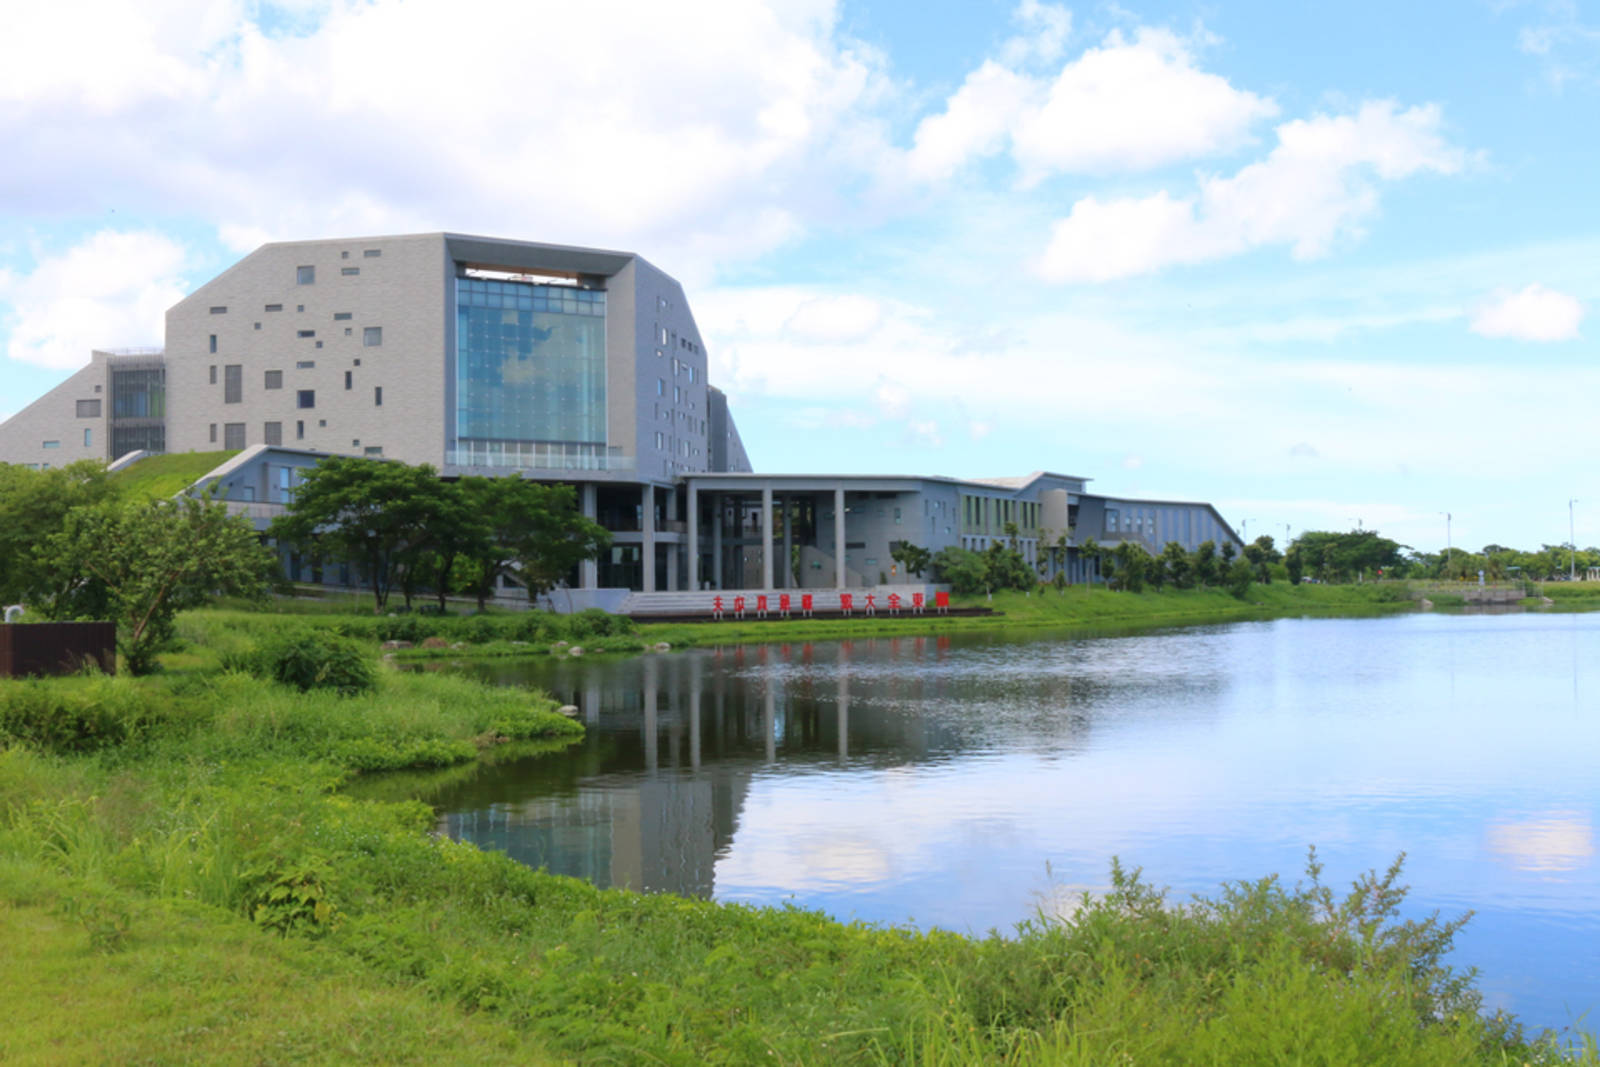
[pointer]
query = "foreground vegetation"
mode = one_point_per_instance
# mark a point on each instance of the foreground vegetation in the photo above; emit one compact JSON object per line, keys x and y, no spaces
{"x":185,"y":876}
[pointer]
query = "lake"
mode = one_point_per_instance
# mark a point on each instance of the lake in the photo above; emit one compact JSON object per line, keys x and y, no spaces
{"x":971,"y":781}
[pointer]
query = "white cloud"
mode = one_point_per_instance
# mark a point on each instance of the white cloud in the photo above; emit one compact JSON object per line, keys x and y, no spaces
{"x":1126,"y":105}
{"x":395,"y":115}
{"x":1531,"y":314}
{"x":1317,"y":186}
{"x":846,"y":317}
{"x":1045,"y":29}
{"x":111,"y":290}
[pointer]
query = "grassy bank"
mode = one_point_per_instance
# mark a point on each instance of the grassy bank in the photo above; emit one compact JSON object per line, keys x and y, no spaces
{"x":185,"y":877}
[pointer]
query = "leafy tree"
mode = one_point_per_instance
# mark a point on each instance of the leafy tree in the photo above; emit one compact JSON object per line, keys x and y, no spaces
{"x":1006,"y":568}
{"x":142,"y":563}
{"x":1177,"y":565}
{"x":1262,"y":554}
{"x":34,"y":505}
{"x":1342,"y":557}
{"x":913,"y":558}
{"x":1238,"y":577}
{"x":553,"y":536}
{"x":372,"y":513}
{"x":965,"y":570}
{"x":1295,"y":563}
{"x":1131,"y":566}
{"x":1204,"y":562}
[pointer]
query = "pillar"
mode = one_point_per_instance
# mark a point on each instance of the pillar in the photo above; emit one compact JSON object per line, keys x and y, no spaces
{"x":767,"y":538}
{"x":672,"y":549}
{"x":588,"y":570}
{"x":647,"y":542}
{"x":838,"y":538}
{"x":694,"y":538}
{"x":788,"y":543}
{"x":716,"y":540}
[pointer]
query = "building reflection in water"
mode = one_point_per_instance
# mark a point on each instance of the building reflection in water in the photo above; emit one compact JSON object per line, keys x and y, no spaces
{"x":652,"y":796}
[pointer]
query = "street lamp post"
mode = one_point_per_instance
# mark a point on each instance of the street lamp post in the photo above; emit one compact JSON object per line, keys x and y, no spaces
{"x":1447,"y":545}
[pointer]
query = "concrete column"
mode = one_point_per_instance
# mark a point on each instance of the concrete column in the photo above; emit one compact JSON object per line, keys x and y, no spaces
{"x":766,"y":537}
{"x":588,"y":570}
{"x":647,"y":543}
{"x":716,"y":540}
{"x":838,"y":538}
{"x":694,"y":538}
{"x":672,"y":549}
{"x":788,"y":543}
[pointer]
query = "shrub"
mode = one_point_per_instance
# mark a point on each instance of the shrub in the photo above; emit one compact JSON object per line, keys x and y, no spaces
{"x":76,"y":715}
{"x":309,"y":660}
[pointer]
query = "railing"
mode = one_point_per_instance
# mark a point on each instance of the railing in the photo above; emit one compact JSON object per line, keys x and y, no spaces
{"x":518,"y":461}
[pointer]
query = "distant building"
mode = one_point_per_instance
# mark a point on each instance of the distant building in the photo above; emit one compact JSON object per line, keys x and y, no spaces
{"x":487,"y":356}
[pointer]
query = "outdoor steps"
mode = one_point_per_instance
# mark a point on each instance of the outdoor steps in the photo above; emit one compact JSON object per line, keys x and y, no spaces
{"x":703,"y":604}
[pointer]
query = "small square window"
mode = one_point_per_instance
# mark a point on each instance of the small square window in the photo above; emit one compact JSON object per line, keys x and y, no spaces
{"x":305,"y":275}
{"x":355,"y":442}
{"x":258,"y":326}
{"x":233,"y":436}
{"x":306,"y":398}
{"x":322,"y":423}
{"x":299,"y":307}
{"x":371,"y":336}
{"x":319,"y":344}
{"x":347,"y":331}
{"x":344,"y":255}
{"x":355,"y":362}
{"x":272,"y":433}
{"x":274,"y":379}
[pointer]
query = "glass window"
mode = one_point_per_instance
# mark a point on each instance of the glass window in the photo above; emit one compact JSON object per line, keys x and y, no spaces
{"x":213,"y":433}
{"x":50,"y":444}
{"x":274,"y":379}
{"x":341,"y":316}
{"x":232,"y":383}
{"x":274,"y":307}
{"x":305,"y":364}
{"x":377,"y":396}
{"x":347,"y":271}
{"x":349,"y":379}
{"x":88,"y":409}
{"x":299,"y":430}
{"x":371,"y":253}
{"x":213,"y":374}
{"x":88,"y":437}
{"x":305,"y":275}
{"x":305,"y":333}
{"x":233,"y":436}
{"x":372,"y":450}
{"x":530,"y":365}
{"x":371,"y":336}
{"x":272,"y":433}
{"x":306,"y":398}
{"x":213,"y":344}
{"x":220,"y":309}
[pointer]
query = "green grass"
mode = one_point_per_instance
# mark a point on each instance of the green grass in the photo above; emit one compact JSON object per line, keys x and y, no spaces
{"x":162,"y":476}
{"x":223,"y":880}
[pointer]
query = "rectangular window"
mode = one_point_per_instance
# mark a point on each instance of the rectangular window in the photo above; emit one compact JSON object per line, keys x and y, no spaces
{"x":341,"y":316}
{"x":305,"y":333}
{"x":305,"y":275}
{"x":305,"y":364}
{"x":349,"y":379}
{"x":371,"y":253}
{"x":213,"y":374}
{"x":306,"y":398}
{"x":213,"y":344}
{"x":213,"y":433}
{"x":349,"y":270}
{"x":371,"y":336}
{"x":274,"y":379}
{"x":274,"y":307}
{"x":372,"y":450}
{"x":661,"y":387}
{"x":88,"y":409}
{"x":219,"y":310}
{"x":377,"y":396}
{"x":299,"y":430}
{"x":272,"y":433}
{"x":233,"y":436}
{"x":88,"y":437}
{"x":50,"y":444}
{"x":232,"y":383}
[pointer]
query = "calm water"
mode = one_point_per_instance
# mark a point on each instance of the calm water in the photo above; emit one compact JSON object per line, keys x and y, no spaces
{"x":966,"y":782}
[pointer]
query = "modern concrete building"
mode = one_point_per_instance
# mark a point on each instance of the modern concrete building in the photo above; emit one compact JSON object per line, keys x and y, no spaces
{"x":484,"y":356}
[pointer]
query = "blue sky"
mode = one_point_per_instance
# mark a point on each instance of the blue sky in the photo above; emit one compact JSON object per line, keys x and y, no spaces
{"x":1321,"y":265}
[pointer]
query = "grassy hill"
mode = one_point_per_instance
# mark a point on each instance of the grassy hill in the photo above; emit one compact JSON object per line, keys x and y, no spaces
{"x":163,"y":476}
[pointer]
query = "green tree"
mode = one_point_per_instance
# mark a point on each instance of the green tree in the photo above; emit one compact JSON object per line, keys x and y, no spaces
{"x":1204,"y":564}
{"x":966,"y":571}
{"x":913,"y":558}
{"x":1262,"y":554}
{"x":142,"y":563}
{"x":1295,"y":563}
{"x":1342,"y":557}
{"x":1177,"y":565}
{"x":34,"y":505}
{"x":1006,"y":568}
{"x":1238,"y":577}
{"x":372,"y":513}
{"x":1132,"y":566}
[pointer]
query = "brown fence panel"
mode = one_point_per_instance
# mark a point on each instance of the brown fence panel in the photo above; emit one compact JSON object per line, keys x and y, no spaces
{"x":56,"y":647}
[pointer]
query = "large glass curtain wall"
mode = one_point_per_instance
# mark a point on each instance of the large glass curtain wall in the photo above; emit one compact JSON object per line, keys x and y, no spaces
{"x":530,"y":374}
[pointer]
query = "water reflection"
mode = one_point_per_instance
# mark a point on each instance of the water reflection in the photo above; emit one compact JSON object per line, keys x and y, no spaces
{"x":970,"y":782}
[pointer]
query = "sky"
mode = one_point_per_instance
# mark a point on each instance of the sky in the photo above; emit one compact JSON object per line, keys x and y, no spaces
{"x":1325,"y":266}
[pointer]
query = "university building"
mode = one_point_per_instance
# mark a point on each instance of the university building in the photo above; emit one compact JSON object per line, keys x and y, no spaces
{"x":485,"y":356}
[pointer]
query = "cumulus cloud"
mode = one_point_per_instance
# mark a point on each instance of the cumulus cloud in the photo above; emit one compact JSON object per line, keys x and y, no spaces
{"x":395,"y":115}
{"x":1316,"y":186}
{"x":110,"y":290}
{"x":1129,"y":104}
{"x":1530,"y":314}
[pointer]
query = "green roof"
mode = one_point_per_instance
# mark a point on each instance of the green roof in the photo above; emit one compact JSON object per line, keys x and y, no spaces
{"x":167,"y":475}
